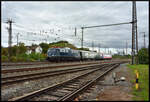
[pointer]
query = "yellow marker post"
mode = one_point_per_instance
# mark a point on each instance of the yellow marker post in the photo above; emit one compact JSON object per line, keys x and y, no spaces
{"x":137,"y":77}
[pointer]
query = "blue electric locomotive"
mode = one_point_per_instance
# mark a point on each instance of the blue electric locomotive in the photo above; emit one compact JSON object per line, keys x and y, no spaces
{"x":67,"y":54}
{"x":63,"y":54}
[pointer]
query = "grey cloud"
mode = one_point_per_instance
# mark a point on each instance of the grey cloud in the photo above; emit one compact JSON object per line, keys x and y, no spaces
{"x":36,"y":16}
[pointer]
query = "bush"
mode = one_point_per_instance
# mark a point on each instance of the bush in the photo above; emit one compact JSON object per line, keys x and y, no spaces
{"x":22,"y":57}
{"x":143,"y":56}
{"x":32,"y":60}
{"x":13,"y":59}
{"x":34,"y":56}
{"x":4,"y":51}
{"x":4,"y":58}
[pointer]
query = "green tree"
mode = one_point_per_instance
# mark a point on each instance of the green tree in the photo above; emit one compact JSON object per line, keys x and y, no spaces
{"x":62,"y":41}
{"x":14,"y":50}
{"x":34,"y":45}
{"x":4,"y":51}
{"x":22,"y":48}
{"x":143,"y":56}
{"x":44,"y":47}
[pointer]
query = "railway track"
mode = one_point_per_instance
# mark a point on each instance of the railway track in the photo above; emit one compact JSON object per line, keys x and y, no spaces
{"x":69,"y":89}
{"x":24,"y":63}
{"x":3,"y":71}
{"x":34,"y":63}
{"x":21,"y":78}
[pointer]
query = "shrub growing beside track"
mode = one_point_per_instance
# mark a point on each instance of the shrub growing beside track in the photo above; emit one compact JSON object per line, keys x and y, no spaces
{"x":4,"y":58}
{"x":143,"y":56}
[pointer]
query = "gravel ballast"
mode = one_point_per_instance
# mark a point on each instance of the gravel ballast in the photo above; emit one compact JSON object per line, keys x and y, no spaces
{"x":8,"y":92}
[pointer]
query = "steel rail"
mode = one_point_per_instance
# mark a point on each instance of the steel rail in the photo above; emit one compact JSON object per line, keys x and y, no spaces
{"x":74,"y":94}
{"x":18,"y":64}
{"x":39,"y":68}
{"x":22,"y":78}
{"x":33,"y":63}
{"x":50,"y":88}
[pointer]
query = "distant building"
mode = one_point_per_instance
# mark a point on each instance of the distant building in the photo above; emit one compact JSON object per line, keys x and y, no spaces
{"x":36,"y":49}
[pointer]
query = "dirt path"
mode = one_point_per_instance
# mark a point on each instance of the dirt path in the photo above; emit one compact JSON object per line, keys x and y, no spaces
{"x":122,"y":90}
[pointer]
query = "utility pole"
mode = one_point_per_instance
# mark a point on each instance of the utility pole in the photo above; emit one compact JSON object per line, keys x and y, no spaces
{"x":123,"y":52}
{"x":75,"y":32}
{"x":134,"y":32}
{"x":144,"y":39}
{"x":82,"y":38}
{"x":92,"y":46}
{"x":17,"y":43}
{"x":136,"y":36}
{"x":99,"y":47}
{"x":17,"y":39}
{"x":9,"y":21}
{"x":126,"y":47}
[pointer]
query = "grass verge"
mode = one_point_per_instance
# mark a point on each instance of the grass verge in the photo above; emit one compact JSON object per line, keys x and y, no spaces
{"x":142,"y":94}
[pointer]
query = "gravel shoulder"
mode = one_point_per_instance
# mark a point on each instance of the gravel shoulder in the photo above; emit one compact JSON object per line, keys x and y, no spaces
{"x":121,"y":91}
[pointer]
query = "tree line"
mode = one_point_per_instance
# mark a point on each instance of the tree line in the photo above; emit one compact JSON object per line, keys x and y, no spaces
{"x":18,"y":53}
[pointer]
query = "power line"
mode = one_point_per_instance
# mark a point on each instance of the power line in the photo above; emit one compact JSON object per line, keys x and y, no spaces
{"x":107,"y":25}
{"x":82,"y":28}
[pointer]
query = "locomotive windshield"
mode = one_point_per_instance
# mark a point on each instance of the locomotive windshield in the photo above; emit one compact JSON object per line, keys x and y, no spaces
{"x":53,"y":52}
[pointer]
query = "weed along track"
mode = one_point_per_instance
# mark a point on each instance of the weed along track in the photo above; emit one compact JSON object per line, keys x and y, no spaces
{"x":70,"y":89}
{"x":27,"y":77}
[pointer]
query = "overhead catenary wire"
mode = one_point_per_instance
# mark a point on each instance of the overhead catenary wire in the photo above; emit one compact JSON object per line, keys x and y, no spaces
{"x":106,"y":25}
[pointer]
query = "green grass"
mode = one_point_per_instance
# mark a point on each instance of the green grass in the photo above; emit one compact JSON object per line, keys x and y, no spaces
{"x":142,"y":94}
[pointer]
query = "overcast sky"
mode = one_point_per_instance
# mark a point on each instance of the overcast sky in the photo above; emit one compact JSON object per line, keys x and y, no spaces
{"x":38,"y":22}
